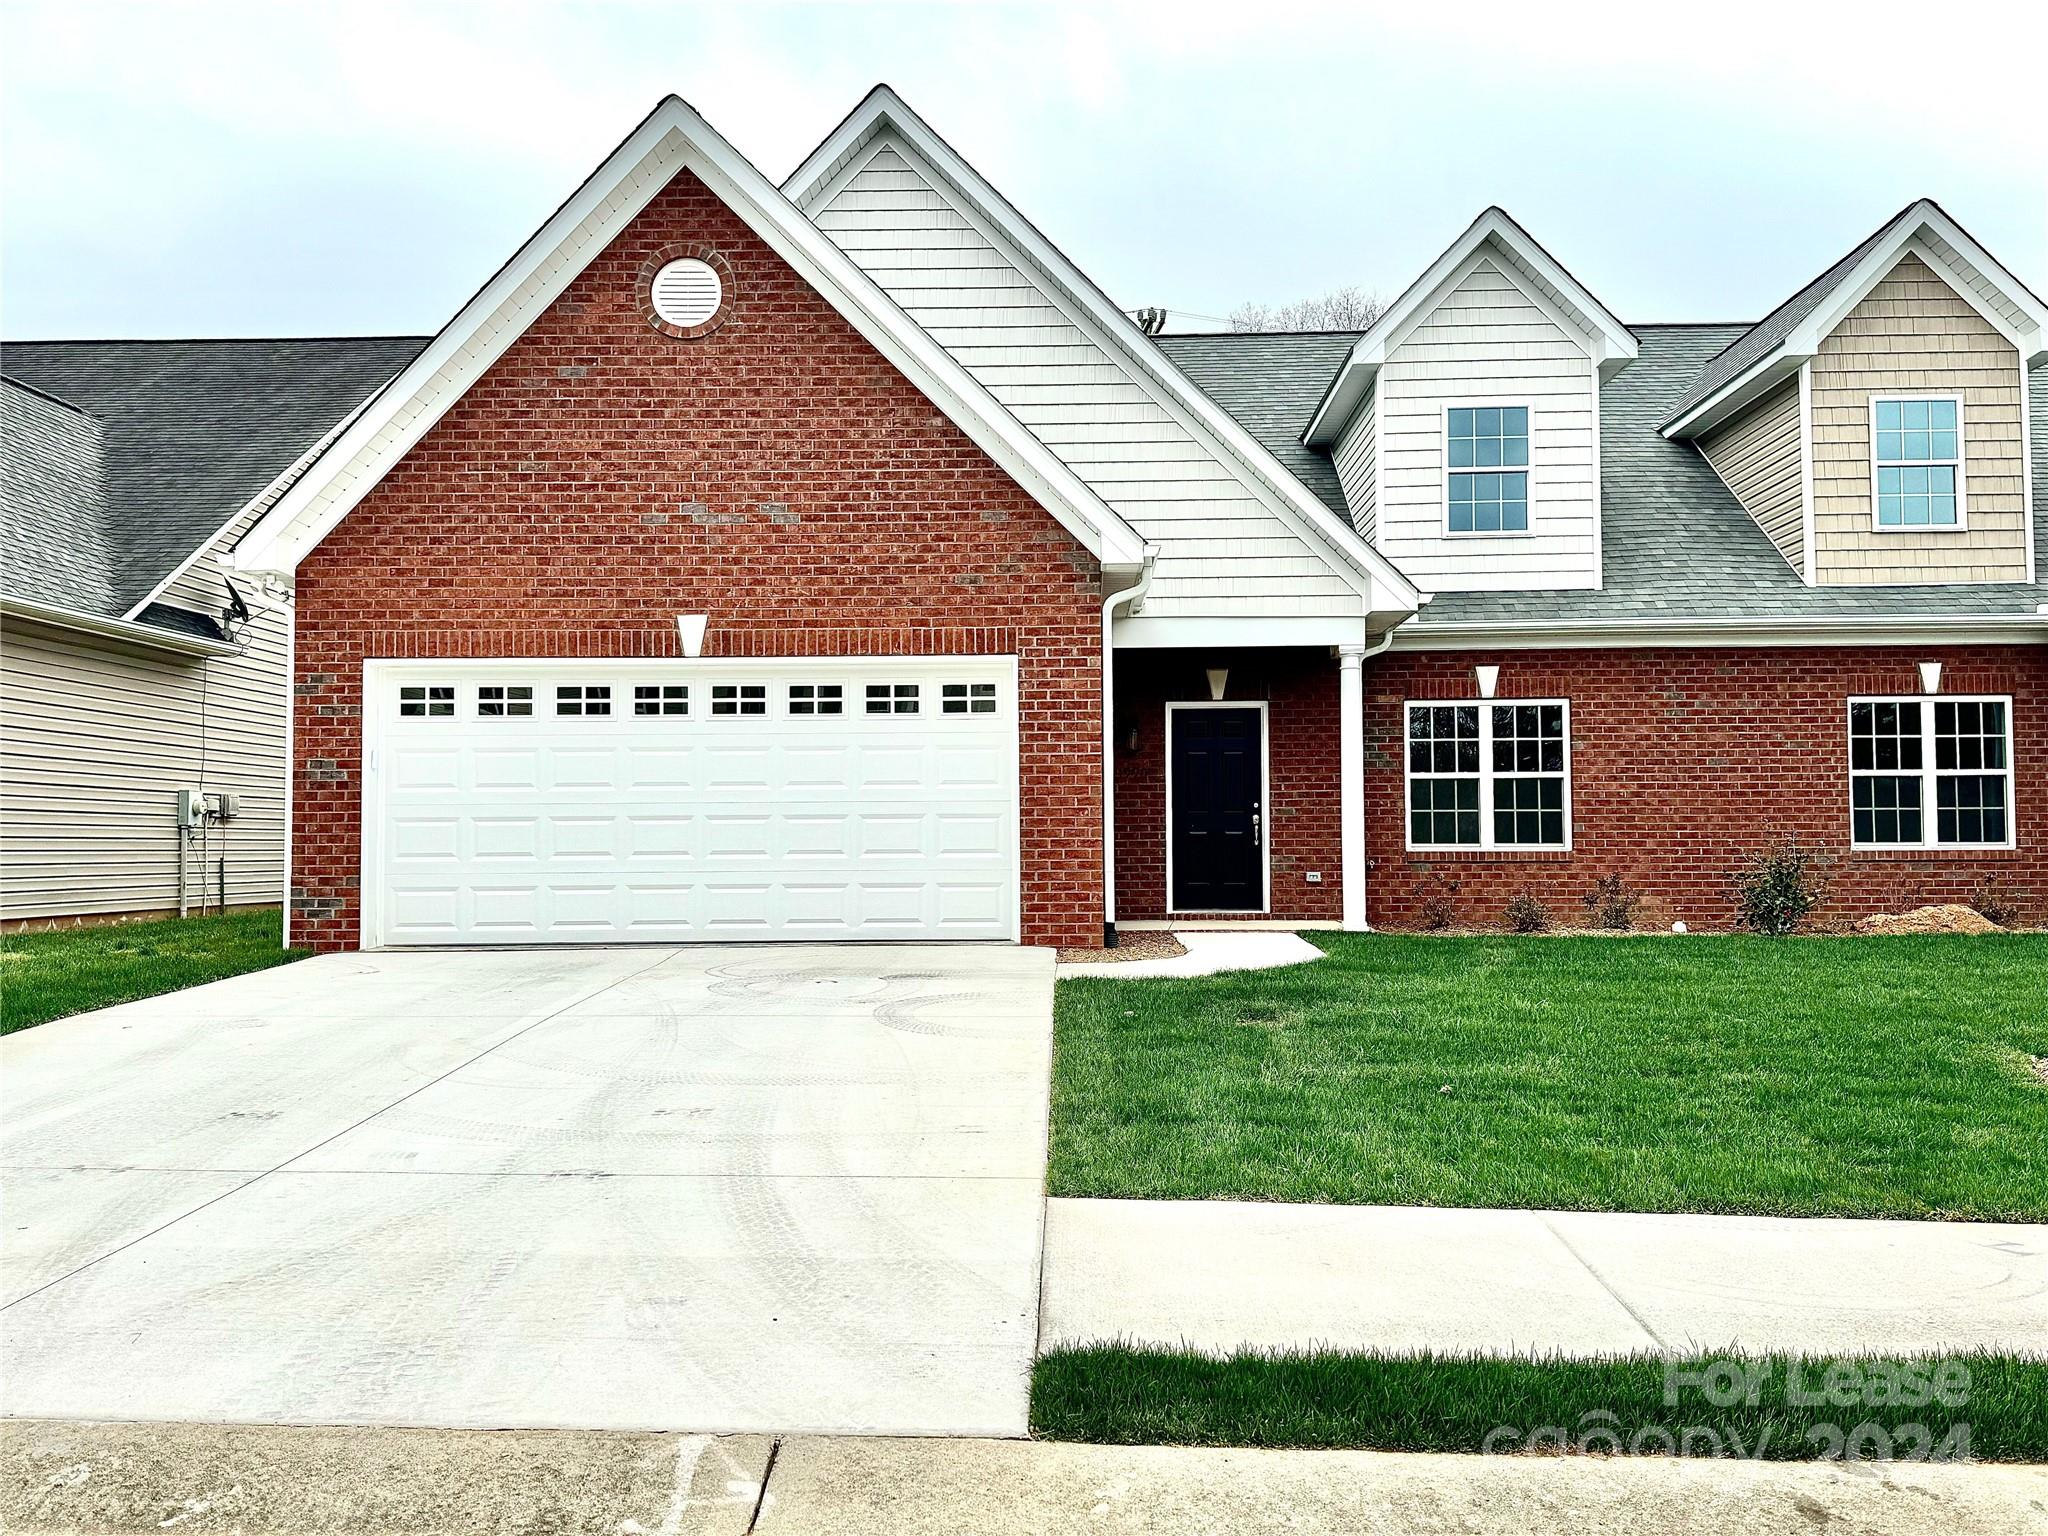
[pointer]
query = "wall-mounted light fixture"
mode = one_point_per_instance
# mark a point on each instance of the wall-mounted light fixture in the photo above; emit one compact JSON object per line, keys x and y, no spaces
{"x":690,"y":632}
{"x":1219,"y":679}
{"x":1488,"y":678}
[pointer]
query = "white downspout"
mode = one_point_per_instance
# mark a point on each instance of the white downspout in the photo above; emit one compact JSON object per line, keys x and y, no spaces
{"x":1351,"y":660}
{"x":1134,"y":593}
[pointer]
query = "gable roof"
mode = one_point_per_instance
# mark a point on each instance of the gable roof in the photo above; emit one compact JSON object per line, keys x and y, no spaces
{"x":884,"y":111}
{"x":1767,"y":353}
{"x":1270,"y":382}
{"x":671,"y":139}
{"x":1610,"y":343}
{"x":187,"y":433}
{"x":1678,"y":549}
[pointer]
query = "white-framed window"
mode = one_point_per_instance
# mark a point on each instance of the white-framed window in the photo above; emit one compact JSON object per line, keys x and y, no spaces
{"x":429,"y":700}
{"x":583,"y":699}
{"x":739,"y":699}
{"x":892,"y":698}
{"x":495,"y":701}
{"x":967,"y":699}
{"x":817,"y":699}
{"x":1916,"y":461}
{"x":1485,"y":773}
{"x":1930,"y":771}
{"x":1486,"y":468}
{"x":661,"y":699}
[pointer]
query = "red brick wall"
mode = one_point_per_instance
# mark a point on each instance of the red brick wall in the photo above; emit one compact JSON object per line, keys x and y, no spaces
{"x":1684,"y":761}
{"x":1300,"y":690}
{"x":777,"y":474}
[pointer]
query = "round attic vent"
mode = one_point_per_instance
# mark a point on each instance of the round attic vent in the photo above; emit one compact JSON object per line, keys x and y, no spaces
{"x":687,"y":293}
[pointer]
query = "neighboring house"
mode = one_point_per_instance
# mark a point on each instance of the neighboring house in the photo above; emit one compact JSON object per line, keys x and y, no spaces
{"x":836,"y":561}
{"x":132,"y":667}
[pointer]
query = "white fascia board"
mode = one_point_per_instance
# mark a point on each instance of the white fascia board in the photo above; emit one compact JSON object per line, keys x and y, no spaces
{"x":125,"y":630}
{"x":1642,"y":634}
{"x":1611,"y":343}
{"x":1209,"y":632}
{"x":884,"y":111}
{"x":671,"y":139}
{"x":1926,"y":232}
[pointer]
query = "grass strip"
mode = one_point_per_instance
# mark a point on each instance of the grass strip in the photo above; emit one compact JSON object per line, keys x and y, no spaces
{"x":1976,"y":1405}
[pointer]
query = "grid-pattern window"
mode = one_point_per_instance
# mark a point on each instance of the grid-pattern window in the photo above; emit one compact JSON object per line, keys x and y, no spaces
{"x":967,"y":699}
{"x":583,"y":699}
{"x":1488,"y":480}
{"x":1487,"y":775}
{"x":816,"y":699}
{"x":430,"y":699}
{"x":892,"y":698}
{"x":739,"y":699}
{"x":1917,"y":452}
{"x":661,"y":699}
{"x":495,"y":701}
{"x":1910,"y":756}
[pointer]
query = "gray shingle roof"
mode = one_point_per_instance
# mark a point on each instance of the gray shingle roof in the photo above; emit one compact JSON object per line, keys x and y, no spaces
{"x":1676,"y":543}
{"x":52,"y":496}
{"x":1271,"y":382}
{"x":190,"y":432}
{"x":1756,"y":343}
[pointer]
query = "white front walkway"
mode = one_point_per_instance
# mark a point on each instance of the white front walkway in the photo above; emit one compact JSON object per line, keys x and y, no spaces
{"x":1217,"y":1275}
{"x":1208,"y":952}
{"x":773,"y":1187}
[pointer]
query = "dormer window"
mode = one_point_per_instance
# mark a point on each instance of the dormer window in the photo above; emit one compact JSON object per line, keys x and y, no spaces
{"x":1487,"y":478}
{"x":1917,"y":461}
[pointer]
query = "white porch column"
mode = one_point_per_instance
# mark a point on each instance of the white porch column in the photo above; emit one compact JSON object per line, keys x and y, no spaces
{"x":1351,"y":786}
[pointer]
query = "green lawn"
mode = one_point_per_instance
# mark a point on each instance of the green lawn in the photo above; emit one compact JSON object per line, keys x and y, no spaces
{"x":1846,"y":1077}
{"x":44,"y":976}
{"x":1117,"y":1395}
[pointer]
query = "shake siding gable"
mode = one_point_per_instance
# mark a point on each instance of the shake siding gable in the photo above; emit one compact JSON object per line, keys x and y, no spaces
{"x":1223,"y":550}
{"x":1488,"y":342}
{"x":1914,"y":333}
{"x":1757,"y":458}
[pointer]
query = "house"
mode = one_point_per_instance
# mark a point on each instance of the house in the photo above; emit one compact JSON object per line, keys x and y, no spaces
{"x":836,"y":561}
{"x":131,"y":665}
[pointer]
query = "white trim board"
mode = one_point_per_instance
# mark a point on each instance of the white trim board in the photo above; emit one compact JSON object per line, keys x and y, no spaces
{"x":1264,"y":813}
{"x":672,"y":138}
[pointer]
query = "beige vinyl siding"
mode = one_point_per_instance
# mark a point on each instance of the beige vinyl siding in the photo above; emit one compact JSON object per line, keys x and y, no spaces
{"x":1487,"y":342}
{"x":1222,"y":549}
{"x":96,"y":738}
{"x":1914,"y":333}
{"x":1757,"y":457}
{"x":1356,"y":458}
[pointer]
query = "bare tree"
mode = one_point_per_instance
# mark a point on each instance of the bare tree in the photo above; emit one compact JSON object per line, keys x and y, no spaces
{"x":1343,"y":309}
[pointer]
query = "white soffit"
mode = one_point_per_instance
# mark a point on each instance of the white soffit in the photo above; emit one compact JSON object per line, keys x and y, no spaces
{"x":670,"y":139}
{"x":1610,"y":343}
{"x":883,"y":111}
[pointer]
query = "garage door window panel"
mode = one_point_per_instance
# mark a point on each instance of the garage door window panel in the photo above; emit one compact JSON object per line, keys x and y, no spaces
{"x":583,"y":699}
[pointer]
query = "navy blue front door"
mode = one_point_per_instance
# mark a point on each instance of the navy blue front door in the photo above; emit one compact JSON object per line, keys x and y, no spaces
{"x":1216,"y":812}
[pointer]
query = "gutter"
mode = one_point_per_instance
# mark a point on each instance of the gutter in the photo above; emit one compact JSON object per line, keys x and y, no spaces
{"x":1135,"y":595}
{"x":115,"y":629}
{"x":1904,"y":629}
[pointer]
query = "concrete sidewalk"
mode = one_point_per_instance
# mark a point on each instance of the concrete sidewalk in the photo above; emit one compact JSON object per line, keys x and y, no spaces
{"x":1216,"y":1275}
{"x":208,"y":1480}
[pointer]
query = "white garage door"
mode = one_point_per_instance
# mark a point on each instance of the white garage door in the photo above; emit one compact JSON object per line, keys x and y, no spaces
{"x":599,"y":802}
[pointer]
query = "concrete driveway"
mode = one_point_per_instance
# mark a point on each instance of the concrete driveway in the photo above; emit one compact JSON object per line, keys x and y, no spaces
{"x":701,"y":1189}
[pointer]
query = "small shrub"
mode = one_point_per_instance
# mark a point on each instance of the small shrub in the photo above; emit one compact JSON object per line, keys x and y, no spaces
{"x":1526,"y":914}
{"x":1778,"y":888}
{"x":1612,"y":904}
{"x":1994,"y":903}
{"x":1439,"y":909}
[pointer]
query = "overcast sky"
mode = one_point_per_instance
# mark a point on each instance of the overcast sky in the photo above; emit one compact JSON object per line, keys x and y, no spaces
{"x":297,"y":169}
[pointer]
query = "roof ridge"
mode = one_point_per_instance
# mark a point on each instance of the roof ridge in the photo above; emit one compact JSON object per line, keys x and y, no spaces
{"x":50,"y":395}
{"x":201,"y":341}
